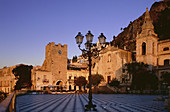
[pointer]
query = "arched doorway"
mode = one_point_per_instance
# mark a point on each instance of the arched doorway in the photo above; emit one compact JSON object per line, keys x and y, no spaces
{"x":59,"y":85}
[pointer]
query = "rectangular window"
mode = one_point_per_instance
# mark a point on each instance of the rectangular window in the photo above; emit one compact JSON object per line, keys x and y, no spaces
{"x":7,"y":83}
{"x":123,"y":70}
{"x":153,"y":48}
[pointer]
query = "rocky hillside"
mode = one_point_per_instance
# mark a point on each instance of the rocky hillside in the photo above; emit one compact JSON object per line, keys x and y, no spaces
{"x":160,"y":14}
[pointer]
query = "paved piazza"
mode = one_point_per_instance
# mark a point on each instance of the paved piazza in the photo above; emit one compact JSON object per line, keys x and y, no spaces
{"x":76,"y":102}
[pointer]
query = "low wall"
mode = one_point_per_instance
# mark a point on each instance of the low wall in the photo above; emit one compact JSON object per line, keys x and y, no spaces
{"x":8,"y":105}
{"x":169,"y":100}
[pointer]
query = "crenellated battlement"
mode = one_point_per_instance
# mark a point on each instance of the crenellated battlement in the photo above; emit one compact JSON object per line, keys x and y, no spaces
{"x":59,"y":44}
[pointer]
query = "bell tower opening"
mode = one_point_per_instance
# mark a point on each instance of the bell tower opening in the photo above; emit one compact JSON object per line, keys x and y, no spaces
{"x":143,"y":48}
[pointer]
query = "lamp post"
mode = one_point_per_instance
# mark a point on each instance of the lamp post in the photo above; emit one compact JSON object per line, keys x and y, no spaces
{"x":89,"y":52}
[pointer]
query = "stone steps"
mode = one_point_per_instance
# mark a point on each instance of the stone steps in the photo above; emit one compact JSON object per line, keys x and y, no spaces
{"x":77,"y":102}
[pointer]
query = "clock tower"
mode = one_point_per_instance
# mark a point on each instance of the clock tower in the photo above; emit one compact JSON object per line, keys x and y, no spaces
{"x":56,"y":62}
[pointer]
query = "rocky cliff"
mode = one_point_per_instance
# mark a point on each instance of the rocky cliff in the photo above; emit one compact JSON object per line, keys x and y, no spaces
{"x":160,"y":14}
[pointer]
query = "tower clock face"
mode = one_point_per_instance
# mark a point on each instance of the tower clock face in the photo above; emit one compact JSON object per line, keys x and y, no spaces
{"x":59,"y":52}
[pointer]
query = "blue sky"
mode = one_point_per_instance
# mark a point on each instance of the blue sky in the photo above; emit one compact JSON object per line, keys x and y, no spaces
{"x":27,"y":26}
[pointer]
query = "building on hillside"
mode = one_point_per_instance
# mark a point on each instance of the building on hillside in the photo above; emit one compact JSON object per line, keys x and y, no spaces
{"x":7,"y":79}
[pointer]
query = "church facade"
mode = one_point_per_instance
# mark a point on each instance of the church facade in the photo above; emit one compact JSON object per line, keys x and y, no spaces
{"x":151,"y":50}
{"x":110,"y":63}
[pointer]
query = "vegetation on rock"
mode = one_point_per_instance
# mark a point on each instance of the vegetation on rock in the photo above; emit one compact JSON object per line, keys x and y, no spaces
{"x":159,"y":13}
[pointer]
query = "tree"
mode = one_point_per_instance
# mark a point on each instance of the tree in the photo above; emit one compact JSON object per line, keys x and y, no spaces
{"x":74,"y":59}
{"x":80,"y":81}
{"x":133,"y":68}
{"x":23,"y":75}
{"x":142,"y":78}
{"x":96,"y":79}
{"x":114,"y":82}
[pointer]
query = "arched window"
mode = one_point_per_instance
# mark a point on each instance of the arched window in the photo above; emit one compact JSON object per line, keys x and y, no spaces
{"x":143,"y":48}
{"x":153,"y":48}
{"x":167,"y":62}
{"x":109,"y":58}
{"x":166,"y":49}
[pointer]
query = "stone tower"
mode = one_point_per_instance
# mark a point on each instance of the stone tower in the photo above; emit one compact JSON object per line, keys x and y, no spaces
{"x":146,"y":42}
{"x":56,"y":62}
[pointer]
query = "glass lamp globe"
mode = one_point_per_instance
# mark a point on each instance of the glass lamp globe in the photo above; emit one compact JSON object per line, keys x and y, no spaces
{"x":79,"y":38}
{"x":102,"y":38}
{"x":89,"y":37}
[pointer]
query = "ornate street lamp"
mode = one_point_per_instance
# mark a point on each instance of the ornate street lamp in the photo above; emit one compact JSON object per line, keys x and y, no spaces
{"x":89,"y":52}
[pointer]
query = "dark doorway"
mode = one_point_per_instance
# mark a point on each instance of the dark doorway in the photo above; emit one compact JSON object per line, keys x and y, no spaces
{"x":167,"y":62}
{"x":69,"y":87}
{"x":108,"y":79}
